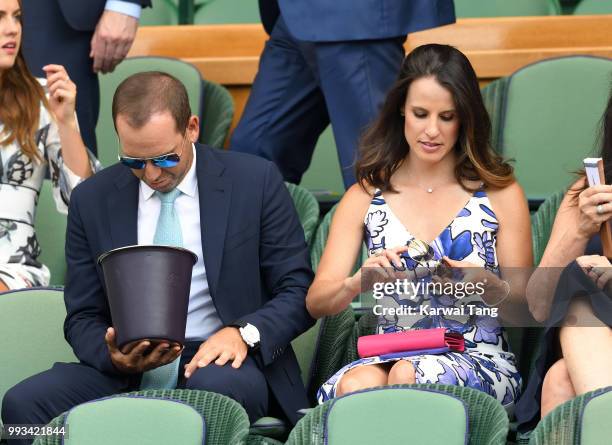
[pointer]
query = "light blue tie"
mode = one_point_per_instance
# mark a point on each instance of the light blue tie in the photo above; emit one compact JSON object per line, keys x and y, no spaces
{"x":168,"y":233}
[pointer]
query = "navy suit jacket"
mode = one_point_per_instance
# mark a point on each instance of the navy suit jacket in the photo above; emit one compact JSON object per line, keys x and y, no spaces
{"x":338,"y":20}
{"x":255,"y":256}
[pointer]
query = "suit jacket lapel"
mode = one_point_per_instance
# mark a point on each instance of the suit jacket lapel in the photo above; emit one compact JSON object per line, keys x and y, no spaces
{"x":215,"y":196}
{"x":123,"y":210}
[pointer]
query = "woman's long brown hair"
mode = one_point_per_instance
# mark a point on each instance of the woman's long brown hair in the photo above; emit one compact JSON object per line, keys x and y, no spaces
{"x":384,"y":147}
{"x":20,"y":98}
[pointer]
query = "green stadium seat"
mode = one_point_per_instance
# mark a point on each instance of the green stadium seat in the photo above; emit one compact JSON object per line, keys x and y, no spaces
{"x":121,"y":419}
{"x":487,"y":422}
{"x":547,"y":119}
{"x":593,"y":7}
{"x":307,"y":208}
{"x":50,"y":226}
{"x":163,"y":13}
{"x":31,"y":322}
{"x":209,"y":101}
{"x":323,"y":177}
{"x":582,"y":420}
{"x":500,"y":8}
{"x":211,"y":12}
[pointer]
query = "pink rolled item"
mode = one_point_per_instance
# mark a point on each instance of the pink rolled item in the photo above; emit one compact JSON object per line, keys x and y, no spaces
{"x":416,"y":340}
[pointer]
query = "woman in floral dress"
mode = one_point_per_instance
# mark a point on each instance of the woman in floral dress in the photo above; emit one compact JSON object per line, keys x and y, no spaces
{"x":38,"y":134}
{"x":429,"y":181}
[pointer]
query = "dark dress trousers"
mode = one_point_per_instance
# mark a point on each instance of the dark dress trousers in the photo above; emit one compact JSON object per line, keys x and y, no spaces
{"x":258,"y":271}
{"x":326,"y":61}
{"x":60,"y":32}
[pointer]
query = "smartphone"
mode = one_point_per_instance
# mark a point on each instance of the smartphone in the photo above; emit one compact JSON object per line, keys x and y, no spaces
{"x":593,"y":167}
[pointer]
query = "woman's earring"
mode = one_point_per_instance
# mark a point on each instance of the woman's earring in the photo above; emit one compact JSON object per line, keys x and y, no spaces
{"x":402,"y":113}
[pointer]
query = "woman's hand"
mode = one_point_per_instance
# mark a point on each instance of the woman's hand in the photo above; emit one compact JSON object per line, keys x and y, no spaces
{"x":595,"y":204}
{"x":381,"y":267}
{"x":62,"y":94}
{"x":496,"y":290}
{"x":598,"y":268}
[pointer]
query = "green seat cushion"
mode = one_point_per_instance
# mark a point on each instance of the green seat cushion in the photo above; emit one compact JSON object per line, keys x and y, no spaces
{"x":596,"y":427}
{"x":129,"y":420}
{"x":398,"y":415}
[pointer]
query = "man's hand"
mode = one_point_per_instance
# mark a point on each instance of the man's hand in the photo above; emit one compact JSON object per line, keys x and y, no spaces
{"x":133,"y":359}
{"x":113,"y":38}
{"x":225,"y":345}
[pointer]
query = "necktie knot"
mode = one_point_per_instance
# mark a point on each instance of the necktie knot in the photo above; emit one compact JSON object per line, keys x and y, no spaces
{"x":168,"y":198}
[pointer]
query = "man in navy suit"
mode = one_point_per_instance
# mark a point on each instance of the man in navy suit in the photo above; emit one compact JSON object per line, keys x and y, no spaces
{"x":248,"y":288}
{"x":326,"y":61}
{"x":86,"y":37}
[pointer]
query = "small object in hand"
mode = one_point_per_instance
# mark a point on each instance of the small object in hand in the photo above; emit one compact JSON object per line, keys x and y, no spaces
{"x":599,"y":209}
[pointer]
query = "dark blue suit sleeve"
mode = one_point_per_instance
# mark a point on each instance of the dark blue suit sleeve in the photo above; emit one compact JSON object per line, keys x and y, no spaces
{"x":285,"y":270}
{"x":84,"y":15}
{"x":88,"y":314}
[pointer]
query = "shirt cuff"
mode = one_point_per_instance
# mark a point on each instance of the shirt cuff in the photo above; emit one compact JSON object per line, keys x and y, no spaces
{"x":127,"y":8}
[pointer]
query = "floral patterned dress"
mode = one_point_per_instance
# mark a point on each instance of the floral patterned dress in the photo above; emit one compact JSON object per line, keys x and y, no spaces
{"x":487,"y":364}
{"x":20,"y":182}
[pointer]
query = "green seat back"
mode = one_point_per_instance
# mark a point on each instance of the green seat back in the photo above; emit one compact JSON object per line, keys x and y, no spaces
{"x":226,"y":421}
{"x":50,"y":226}
{"x":499,"y":8}
{"x":350,"y":419}
{"x":542,"y":222}
{"x":593,"y":7}
{"x":487,"y":419}
{"x":323,"y":177}
{"x":129,"y":420}
{"x":226,"y":11}
{"x":162,"y":13}
{"x":108,"y":144}
{"x":31,"y":329}
{"x":551,"y":120}
{"x":217,"y":114}
{"x":307,"y":208}
{"x":563,"y":424}
{"x":596,"y":426}
{"x":318,"y":245}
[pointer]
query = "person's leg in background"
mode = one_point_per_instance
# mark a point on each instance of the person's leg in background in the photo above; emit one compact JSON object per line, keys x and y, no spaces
{"x":355,"y":77}
{"x":42,"y":397}
{"x":285,"y":112}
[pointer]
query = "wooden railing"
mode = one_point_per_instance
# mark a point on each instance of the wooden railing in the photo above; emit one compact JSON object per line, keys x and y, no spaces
{"x":229,"y":54}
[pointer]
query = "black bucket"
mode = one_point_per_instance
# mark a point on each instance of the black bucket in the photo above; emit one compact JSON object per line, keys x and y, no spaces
{"x":148,"y":291}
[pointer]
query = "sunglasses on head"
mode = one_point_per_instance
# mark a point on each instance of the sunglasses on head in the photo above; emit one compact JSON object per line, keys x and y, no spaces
{"x":164,"y":161}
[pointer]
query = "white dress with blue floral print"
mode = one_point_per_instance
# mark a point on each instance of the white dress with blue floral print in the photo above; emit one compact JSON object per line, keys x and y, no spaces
{"x":20,"y":182}
{"x":487,"y":363}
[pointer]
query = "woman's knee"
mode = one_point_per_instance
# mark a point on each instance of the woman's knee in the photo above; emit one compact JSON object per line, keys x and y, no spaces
{"x":402,"y":372}
{"x":557,"y":387}
{"x":362,"y":377}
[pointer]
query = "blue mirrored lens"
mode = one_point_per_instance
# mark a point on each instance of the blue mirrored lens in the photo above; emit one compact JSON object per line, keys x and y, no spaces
{"x":168,"y":161}
{"x":137,"y":164}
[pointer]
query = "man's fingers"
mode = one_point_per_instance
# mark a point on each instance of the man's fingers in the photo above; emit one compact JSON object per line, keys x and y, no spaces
{"x":140,"y":349}
{"x":238,"y":360}
{"x":109,"y":338}
{"x":224,"y":358}
{"x":207,"y":357}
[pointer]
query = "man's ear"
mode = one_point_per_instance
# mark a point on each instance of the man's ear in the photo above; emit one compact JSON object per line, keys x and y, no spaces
{"x":193,"y":129}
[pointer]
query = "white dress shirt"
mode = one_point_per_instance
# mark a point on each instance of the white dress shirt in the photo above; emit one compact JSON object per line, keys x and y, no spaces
{"x":127,"y":8}
{"x":202,"y":318}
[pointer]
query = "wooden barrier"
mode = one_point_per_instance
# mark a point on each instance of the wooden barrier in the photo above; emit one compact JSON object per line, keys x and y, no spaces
{"x":229,"y":54}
